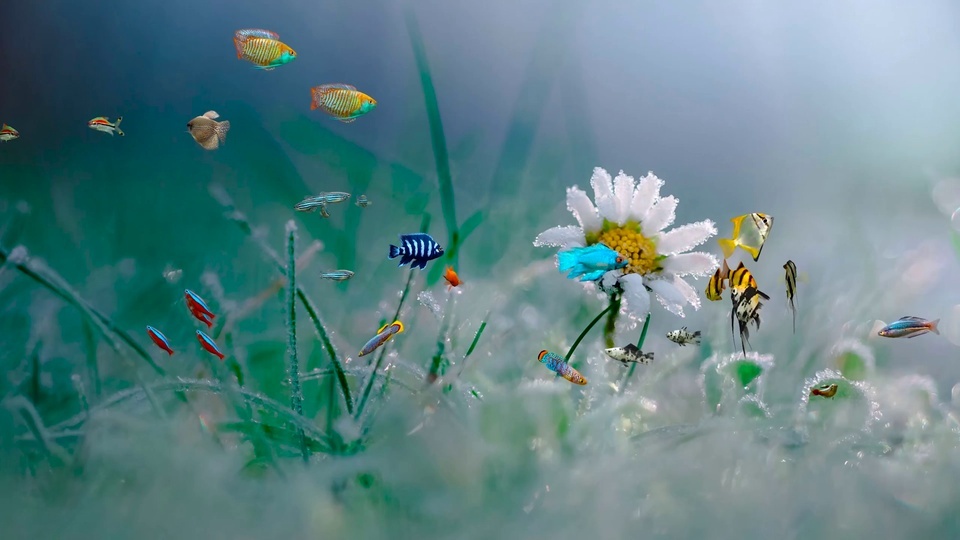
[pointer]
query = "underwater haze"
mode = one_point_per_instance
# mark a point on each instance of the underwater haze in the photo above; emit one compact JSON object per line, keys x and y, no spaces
{"x":839,"y":120}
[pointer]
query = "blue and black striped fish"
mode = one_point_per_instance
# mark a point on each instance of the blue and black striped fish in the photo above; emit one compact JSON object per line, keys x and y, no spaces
{"x":417,"y":249}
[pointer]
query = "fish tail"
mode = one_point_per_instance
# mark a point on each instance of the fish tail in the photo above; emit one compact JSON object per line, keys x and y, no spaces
{"x":116,"y":126}
{"x":394,"y":252}
{"x":222,"y":129}
{"x":728,"y":246}
{"x":933,"y":327}
{"x":566,"y":260}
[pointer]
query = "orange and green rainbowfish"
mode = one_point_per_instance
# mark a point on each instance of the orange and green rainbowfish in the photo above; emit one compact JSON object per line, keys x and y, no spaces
{"x":263,"y":48}
{"x":341,"y":101}
{"x":558,"y":365}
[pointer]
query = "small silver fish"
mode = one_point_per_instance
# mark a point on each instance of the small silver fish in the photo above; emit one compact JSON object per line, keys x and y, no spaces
{"x":362,"y":201}
{"x":208,"y":133}
{"x":337,"y":275}
{"x":629,"y":353}
{"x":320,"y":202}
{"x":682,"y":337}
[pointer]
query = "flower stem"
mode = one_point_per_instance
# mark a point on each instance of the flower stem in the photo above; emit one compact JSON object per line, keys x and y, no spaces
{"x":584,"y":333}
{"x":611,"y":325}
{"x":643,"y":337}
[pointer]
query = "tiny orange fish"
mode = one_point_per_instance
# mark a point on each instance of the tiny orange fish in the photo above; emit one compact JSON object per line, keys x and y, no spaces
{"x":453,"y":280}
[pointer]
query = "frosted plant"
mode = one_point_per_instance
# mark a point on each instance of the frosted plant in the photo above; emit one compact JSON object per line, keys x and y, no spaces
{"x":630,"y":218}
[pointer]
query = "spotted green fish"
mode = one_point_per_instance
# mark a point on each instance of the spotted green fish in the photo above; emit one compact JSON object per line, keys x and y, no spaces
{"x":558,"y":365}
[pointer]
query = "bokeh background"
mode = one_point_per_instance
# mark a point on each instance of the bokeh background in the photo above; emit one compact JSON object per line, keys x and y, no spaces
{"x":838,"y":118}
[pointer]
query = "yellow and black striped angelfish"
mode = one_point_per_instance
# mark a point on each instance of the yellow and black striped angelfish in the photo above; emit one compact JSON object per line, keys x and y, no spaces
{"x":791,"y":276}
{"x":263,"y":48}
{"x":749,"y":232}
{"x":716,"y":285}
{"x":746,"y":299}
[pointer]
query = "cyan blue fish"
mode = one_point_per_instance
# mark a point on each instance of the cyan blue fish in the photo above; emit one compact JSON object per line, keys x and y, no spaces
{"x":909,"y":327}
{"x":589,"y":263}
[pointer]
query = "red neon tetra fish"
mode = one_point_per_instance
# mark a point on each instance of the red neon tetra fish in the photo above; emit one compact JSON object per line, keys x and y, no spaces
{"x":198,"y":308}
{"x":453,"y":280}
{"x":208,"y":344}
{"x":160,"y":339}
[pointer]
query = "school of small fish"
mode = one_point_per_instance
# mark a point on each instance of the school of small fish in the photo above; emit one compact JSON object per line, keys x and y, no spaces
{"x":345,"y":103}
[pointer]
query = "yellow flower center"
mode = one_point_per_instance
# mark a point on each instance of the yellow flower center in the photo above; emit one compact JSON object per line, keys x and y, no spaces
{"x":628,"y":241}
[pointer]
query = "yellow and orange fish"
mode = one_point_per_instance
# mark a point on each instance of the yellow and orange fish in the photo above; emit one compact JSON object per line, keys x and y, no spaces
{"x":453,"y":280}
{"x":263,"y":48}
{"x":341,"y":101}
{"x":750,"y":235}
{"x":102,"y":123}
{"x":7,"y":133}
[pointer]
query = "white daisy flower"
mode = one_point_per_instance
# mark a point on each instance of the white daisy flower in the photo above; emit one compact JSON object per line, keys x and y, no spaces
{"x":630,"y":218}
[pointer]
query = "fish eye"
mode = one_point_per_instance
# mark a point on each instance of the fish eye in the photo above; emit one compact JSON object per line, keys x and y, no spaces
{"x":619,"y":260}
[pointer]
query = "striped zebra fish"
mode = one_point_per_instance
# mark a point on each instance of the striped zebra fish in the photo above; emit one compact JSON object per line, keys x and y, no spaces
{"x":417,"y":249}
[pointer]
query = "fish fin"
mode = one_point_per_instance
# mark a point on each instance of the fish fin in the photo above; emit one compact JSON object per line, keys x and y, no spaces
{"x":346,"y":120}
{"x":120,"y":133}
{"x":117,"y":123}
{"x":592,"y":276}
{"x":763,"y":295}
{"x":405,"y":260}
{"x":727,"y":246}
{"x":911,"y":318}
{"x":754,"y":252}
{"x":566,"y":260}
{"x":382,"y":328}
{"x":933,"y":327}
{"x":211,"y":115}
{"x":341,"y":85}
{"x":421,"y":263}
{"x":222,"y":129}
{"x":210,"y":144}
{"x":394,"y":252}
{"x":696,"y":334}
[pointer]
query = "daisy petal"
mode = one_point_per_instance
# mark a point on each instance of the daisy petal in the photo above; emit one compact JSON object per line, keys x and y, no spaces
{"x":603,"y":194}
{"x":568,"y":236}
{"x":660,"y":216}
{"x":696,"y":263}
{"x":647,"y":192}
{"x":688,"y":292}
{"x":669,"y":296}
{"x":686,"y":237}
{"x":609,"y":279}
{"x":636,"y":296}
{"x":623,"y":191}
{"x":580,"y":206}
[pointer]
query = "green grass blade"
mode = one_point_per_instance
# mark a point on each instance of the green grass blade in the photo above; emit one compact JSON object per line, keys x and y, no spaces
{"x":296,"y":397}
{"x":437,"y":138}
{"x":52,"y":281}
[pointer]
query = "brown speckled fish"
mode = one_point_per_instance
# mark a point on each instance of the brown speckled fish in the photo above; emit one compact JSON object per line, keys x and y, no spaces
{"x":208,"y":133}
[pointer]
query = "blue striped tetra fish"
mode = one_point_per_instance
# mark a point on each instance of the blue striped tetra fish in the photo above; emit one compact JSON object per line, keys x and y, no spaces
{"x":385,"y":332}
{"x":337,"y":275}
{"x":558,"y":365}
{"x":416,"y":249}
{"x":908,"y":326}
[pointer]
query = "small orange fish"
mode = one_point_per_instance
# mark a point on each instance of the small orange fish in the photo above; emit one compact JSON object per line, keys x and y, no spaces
{"x":453,"y":280}
{"x":342,"y":101}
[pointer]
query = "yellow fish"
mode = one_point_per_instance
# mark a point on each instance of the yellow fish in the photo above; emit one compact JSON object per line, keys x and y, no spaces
{"x":342,"y":101}
{"x":715,"y":286}
{"x":750,"y":237}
